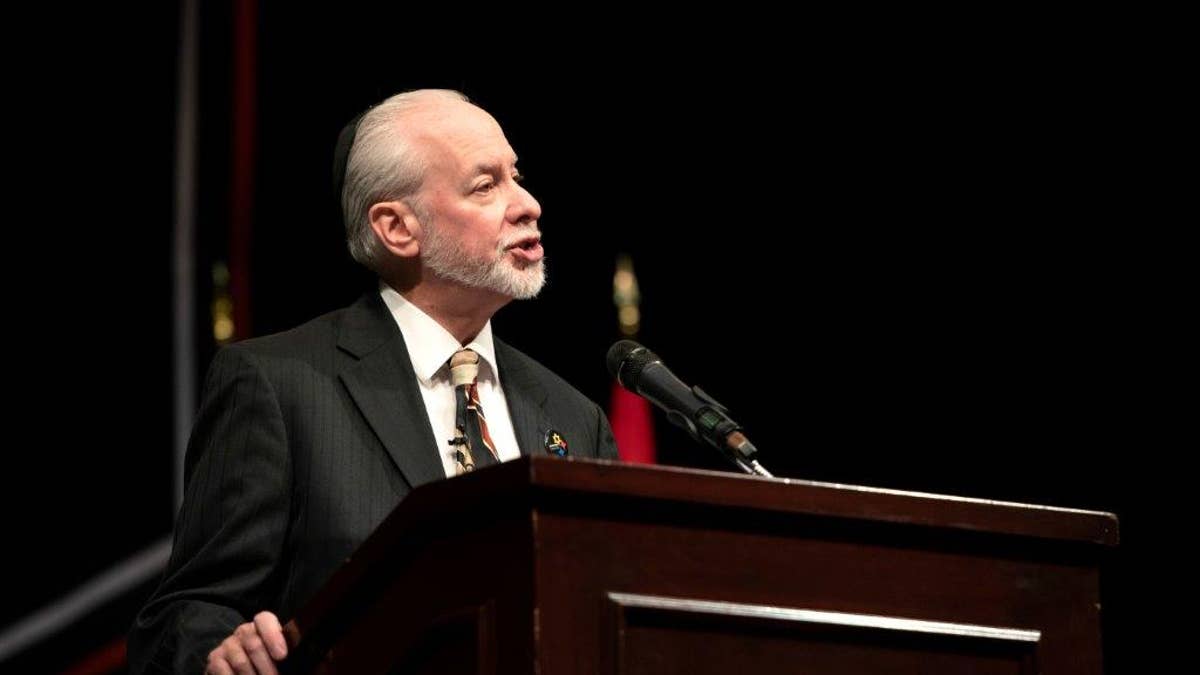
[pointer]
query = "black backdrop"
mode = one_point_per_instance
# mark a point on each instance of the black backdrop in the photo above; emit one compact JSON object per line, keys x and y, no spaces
{"x":902,"y":263}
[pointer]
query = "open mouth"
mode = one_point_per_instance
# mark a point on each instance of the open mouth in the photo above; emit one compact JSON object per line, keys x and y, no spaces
{"x":528,"y":249}
{"x":527,"y":244}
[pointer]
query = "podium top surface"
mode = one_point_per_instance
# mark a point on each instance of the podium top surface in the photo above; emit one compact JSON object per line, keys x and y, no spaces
{"x":783,"y":495}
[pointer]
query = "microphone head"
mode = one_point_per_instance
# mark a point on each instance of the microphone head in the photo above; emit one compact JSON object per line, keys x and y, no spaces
{"x":626,"y":360}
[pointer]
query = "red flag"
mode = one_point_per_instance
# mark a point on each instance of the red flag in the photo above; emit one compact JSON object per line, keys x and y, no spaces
{"x":632,"y":426}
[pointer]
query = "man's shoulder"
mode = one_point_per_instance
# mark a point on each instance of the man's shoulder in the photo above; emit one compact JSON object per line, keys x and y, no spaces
{"x":315,"y":338}
{"x":512,"y":358}
{"x":315,"y":333}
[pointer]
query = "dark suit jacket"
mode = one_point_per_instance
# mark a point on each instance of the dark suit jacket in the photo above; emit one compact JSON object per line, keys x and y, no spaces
{"x":304,"y":442}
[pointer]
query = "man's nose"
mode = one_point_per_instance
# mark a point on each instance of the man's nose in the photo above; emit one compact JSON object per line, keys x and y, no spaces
{"x":524,"y":209}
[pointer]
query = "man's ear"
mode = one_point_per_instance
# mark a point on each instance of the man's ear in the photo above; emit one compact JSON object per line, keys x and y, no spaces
{"x":396,"y":226}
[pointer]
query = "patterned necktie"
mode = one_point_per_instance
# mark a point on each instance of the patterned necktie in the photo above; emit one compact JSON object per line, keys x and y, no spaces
{"x":472,"y":443}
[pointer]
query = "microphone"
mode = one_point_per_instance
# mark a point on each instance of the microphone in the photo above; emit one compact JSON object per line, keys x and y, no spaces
{"x":641,"y":371}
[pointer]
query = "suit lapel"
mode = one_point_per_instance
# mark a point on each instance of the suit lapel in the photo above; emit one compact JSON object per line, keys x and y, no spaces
{"x":526,"y":399}
{"x":384,"y":387}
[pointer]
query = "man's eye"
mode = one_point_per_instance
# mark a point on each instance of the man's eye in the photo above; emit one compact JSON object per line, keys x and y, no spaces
{"x":518,"y":178}
{"x":485,"y":187}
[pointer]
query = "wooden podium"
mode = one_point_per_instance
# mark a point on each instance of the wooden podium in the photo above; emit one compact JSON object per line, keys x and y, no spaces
{"x":565,"y":567}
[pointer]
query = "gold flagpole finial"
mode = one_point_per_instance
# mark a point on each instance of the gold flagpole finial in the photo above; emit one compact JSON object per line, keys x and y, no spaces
{"x":626,"y":296}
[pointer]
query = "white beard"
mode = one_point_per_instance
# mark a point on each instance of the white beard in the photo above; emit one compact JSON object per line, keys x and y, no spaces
{"x":445,"y":257}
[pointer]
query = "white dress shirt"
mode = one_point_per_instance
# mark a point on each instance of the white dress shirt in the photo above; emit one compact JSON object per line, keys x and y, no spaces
{"x":430,"y":347}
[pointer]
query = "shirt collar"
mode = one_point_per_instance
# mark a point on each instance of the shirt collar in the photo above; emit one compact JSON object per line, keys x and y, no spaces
{"x":430,"y":346}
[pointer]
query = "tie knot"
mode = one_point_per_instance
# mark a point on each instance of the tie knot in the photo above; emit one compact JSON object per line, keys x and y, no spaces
{"x":464,"y":367}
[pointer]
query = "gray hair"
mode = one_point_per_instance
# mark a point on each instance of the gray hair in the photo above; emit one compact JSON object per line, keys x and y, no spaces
{"x":382,"y":166}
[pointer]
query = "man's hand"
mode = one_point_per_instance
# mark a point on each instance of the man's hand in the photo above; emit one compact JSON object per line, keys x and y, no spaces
{"x":252,"y":649}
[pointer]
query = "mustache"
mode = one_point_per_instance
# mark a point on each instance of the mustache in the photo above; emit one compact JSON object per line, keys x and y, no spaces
{"x":519,"y":236}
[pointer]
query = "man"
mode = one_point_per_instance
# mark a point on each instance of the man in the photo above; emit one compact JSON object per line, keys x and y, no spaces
{"x":307,"y":439}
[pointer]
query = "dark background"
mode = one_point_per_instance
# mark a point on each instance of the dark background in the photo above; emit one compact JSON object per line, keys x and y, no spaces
{"x":902,"y":260}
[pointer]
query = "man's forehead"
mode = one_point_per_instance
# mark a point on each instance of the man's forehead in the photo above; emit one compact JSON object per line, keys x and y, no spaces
{"x":494,"y":166}
{"x":467,"y":148}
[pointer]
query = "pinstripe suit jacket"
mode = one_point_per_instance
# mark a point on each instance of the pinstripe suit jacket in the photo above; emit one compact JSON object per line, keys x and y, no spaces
{"x":304,"y":442}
